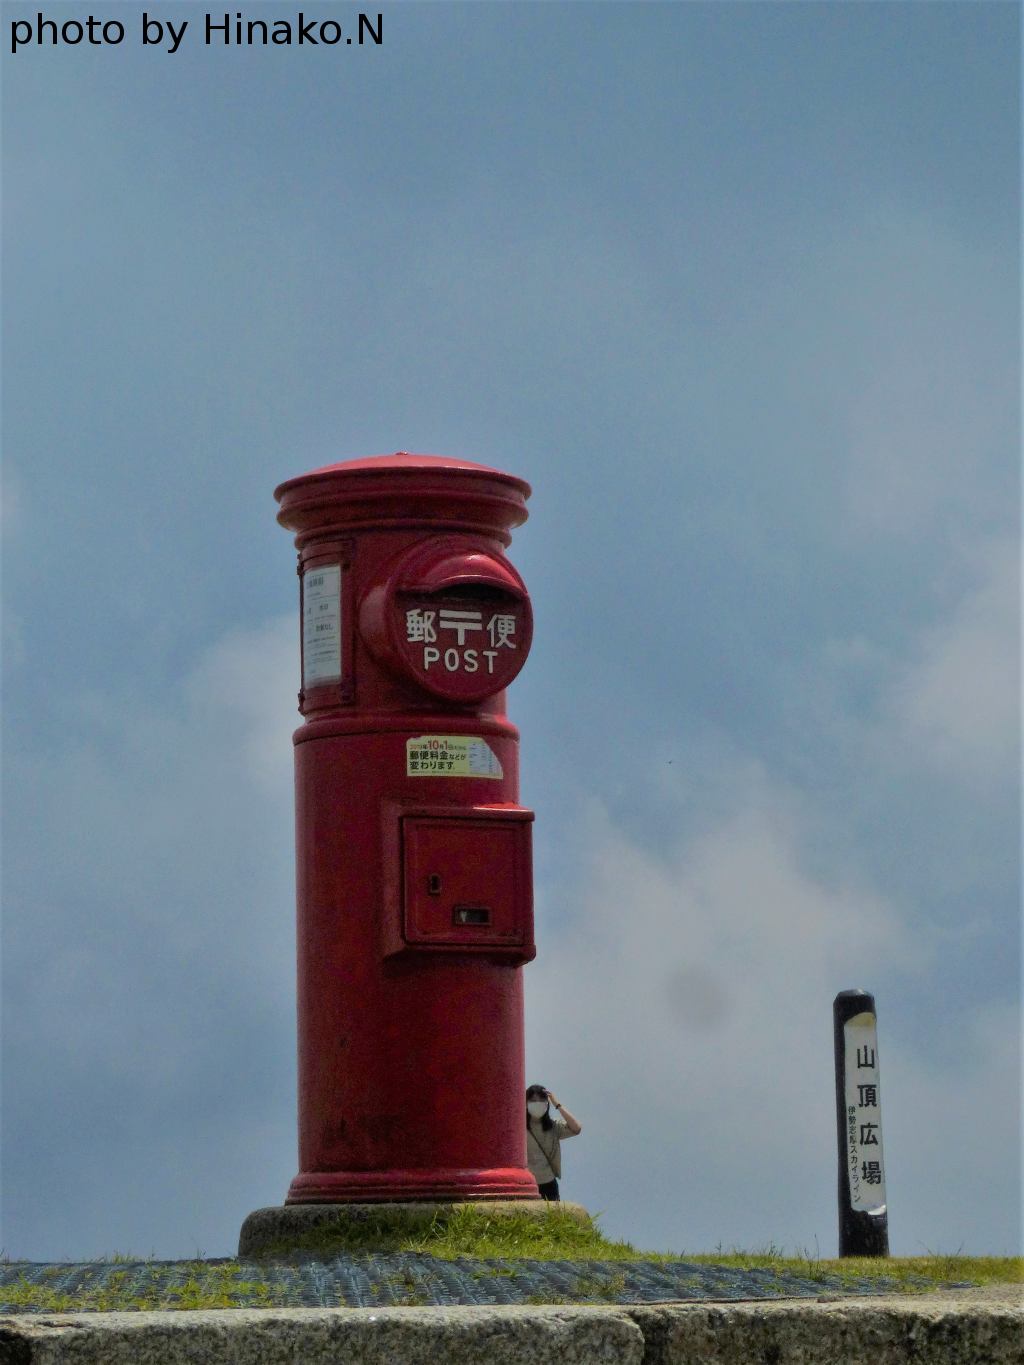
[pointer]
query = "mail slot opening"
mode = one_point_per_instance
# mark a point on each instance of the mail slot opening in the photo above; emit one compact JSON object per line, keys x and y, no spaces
{"x":471,"y":914}
{"x":475,"y":592}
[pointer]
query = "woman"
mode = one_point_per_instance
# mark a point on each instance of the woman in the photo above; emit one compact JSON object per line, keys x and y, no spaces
{"x":544,"y":1138}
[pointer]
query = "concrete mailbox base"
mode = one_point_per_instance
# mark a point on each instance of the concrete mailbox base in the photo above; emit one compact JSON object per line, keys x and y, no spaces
{"x":295,"y":1225}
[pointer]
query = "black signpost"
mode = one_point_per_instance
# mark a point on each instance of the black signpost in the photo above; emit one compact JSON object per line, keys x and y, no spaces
{"x":863,"y":1213}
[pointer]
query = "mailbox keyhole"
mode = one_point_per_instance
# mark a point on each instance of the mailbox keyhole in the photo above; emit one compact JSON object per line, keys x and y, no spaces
{"x":434,"y":884}
{"x":471,"y":914}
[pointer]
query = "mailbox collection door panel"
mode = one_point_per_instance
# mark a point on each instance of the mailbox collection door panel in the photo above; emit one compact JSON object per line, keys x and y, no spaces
{"x":466,"y":882}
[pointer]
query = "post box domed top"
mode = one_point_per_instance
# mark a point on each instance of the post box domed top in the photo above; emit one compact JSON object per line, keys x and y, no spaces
{"x":403,"y":490}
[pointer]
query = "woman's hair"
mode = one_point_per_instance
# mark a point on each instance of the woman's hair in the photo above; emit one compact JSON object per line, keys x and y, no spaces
{"x":538,"y":1092}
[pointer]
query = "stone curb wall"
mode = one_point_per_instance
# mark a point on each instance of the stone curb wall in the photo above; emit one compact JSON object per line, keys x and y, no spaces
{"x":933,"y":1330}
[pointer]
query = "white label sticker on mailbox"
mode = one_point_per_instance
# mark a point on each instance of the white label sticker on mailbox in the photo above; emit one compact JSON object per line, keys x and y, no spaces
{"x":450,"y":756}
{"x":321,"y":625}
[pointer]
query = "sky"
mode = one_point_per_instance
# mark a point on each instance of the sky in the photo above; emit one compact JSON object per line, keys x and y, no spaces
{"x":736,"y":287}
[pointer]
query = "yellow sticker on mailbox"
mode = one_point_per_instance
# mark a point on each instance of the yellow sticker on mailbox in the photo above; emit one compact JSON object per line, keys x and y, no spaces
{"x":450,"y":756}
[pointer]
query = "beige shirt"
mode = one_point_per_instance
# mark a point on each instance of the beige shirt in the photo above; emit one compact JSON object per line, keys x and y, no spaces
{"x":543,"y":1149}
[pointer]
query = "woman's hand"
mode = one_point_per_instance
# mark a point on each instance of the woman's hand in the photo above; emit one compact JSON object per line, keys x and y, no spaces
{"x":575,"y":1126}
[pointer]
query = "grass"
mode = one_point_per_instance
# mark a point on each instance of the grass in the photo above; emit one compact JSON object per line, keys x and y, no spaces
{"x":472,"y":1232}
{"x":906,"y":1271}
{"x":466,"y":1231}
{"x":205,"y":1286}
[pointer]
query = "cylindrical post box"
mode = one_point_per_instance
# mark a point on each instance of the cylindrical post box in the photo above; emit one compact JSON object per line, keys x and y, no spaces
{"x":414,"y":874}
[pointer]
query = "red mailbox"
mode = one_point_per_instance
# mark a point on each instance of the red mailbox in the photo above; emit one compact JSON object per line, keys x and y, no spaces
{"x":414,"y":871}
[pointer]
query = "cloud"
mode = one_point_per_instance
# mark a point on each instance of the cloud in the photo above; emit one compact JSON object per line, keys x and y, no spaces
{"x":680,"y":1005}
{"x":149,"y":956}
{"x":952,"y":1133}
{"x":957,"y":698}
{"x":245,"y":683}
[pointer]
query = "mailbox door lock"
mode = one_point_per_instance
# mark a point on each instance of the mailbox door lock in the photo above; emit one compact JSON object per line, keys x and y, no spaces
{"x":434,"y":884}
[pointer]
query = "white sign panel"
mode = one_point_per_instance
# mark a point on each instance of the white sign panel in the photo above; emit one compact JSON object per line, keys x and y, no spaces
{"x":863,"y":1115}
{"x":321,"y":625}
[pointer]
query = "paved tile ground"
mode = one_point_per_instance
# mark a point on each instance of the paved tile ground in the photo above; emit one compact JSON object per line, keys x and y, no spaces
{"x":408,"y":1278}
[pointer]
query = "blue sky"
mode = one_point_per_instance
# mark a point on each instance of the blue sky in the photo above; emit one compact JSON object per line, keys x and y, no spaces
{"x":737,"y":289}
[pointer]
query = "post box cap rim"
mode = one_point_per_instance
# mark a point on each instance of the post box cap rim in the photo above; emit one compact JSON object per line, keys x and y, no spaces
{"x":403,"y":461}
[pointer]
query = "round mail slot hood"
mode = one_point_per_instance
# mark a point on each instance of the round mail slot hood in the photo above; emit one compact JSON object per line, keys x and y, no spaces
{"x":471,"y":570}
{"x":454,"y":619}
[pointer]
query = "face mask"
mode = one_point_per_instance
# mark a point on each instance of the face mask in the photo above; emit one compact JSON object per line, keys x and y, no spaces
{"x":536,"y":1108}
